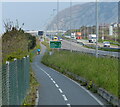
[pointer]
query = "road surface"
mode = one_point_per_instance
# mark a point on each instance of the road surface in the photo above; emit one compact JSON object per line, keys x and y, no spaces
{"x":66,"y":44}
{"x":77,"y":47}
{"x":57,"y":89}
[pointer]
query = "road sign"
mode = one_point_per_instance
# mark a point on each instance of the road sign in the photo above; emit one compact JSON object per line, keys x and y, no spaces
{"x":55,"y":44}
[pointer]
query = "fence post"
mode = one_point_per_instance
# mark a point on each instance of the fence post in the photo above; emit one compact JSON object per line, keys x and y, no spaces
{"x":16,"y":72}
{"x":1,"y":86}
{"x":24,"y":69}
{"x":7,"y":81}
{"x":28,"y":72}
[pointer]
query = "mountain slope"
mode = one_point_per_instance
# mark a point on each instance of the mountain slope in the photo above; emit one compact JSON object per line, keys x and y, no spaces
{"x":85,"y":14}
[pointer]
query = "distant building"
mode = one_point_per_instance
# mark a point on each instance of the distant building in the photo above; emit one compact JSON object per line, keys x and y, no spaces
{"x":32,"y":32}
{"x":114,"y":24}
{"x":110,"y":30}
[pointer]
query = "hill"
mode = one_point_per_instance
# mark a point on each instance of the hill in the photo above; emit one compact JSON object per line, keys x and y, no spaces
{"x":85,"y":14}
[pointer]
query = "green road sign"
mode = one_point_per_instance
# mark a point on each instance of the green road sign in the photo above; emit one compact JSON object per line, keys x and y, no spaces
{"x":55,"y":44}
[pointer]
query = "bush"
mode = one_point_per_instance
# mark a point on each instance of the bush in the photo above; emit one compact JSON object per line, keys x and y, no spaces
{"x":16,"y":44}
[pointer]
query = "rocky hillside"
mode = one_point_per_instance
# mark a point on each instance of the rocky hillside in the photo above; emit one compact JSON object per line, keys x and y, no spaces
{"x":85,"y":14}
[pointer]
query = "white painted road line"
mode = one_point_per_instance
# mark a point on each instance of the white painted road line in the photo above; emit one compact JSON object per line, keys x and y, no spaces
{"x":56,"y":85}
{"x":64,"y":97}
{"x":51,"y":79}
{"x":54,"y":82}
{"x":68,"y":105}
{"x":84,"y":90}
{"x":49,"y":76}
{"x":78,"y":85}
{"x":60,"y":90}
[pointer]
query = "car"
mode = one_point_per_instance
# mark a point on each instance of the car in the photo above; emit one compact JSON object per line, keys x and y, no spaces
{"x":55,"y":38}
{"x":60,"y":39}
{"x":106,"y":44}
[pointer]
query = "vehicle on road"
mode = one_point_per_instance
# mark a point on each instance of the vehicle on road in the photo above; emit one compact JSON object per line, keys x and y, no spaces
{"x":55,"y":38}
{"x":92,"y":38}
{"x":106,"y":44}
{"x":59,"y":38}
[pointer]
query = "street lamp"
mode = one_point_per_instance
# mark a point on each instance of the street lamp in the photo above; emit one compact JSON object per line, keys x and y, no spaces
{"x":97,"y":30}
{"x":57,"y":16}
{"x":70,"y":24}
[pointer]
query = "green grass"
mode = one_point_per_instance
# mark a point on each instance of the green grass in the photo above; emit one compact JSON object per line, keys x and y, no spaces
{"x":33,"y":52}
{"x":101,"y":71}
{"x":46,"y":43}
{"x":31,"y":97}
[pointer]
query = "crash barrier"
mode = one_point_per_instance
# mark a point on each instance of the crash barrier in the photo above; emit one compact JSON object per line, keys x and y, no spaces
{"x":15,"y":81}
{"x":111,"y":55}
{"x":93,"y":53}
{"x":91,"y":86}
{"x":108,"y":48}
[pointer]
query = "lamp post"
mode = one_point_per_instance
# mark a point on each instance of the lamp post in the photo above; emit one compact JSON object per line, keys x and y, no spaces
{"x":57,"y":16}
{"x":97,"y":29}
{"x":70,"y":24}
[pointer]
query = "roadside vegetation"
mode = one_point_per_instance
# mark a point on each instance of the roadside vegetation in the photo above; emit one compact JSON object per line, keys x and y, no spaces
{"x":101,"y":71}
{"x":46,"y":43}
{"x":31,"y":97}
{"x":18,"y":44}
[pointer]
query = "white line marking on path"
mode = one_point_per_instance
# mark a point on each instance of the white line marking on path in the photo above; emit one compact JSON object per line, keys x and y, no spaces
{"x":56,"y":85}
{"x":49,"y":76}
{"x":84,"y":89}
{"x":68,"y":105}
{"x":54,"y":82}
{"x":64,"y":97}
{"x":60,"y":90}
{"x":51,"y":79}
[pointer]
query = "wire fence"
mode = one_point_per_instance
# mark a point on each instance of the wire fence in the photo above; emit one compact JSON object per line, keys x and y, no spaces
{"x":15,"y":81}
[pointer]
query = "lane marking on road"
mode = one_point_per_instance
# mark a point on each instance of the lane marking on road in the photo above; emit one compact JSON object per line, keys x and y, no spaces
{"x":68,"y":105}
{"x":51,"y":79}
{"x":60,"y":90}
{"x":65,"y":97}
{"x":56,"y":85}
{"x":54,"y":82}
{"x":49,"y":76}
{"x":84,"y":89}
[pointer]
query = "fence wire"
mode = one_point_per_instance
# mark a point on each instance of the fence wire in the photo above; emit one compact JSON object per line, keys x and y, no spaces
{"x":15,"y":81}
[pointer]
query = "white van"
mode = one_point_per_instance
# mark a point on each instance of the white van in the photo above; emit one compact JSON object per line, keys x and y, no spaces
{"x":92,"y":38}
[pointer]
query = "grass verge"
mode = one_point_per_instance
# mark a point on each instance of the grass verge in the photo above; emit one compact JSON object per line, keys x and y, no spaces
{"x":31,"y":97}
{"x":33,"y":52}
{"x":46,"y":43}
{"x":101,"y":71}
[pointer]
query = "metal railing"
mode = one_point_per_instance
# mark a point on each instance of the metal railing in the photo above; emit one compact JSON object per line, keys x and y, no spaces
{"x":15,"y":81}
